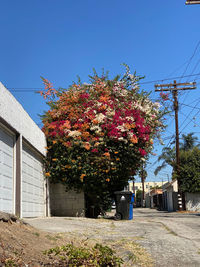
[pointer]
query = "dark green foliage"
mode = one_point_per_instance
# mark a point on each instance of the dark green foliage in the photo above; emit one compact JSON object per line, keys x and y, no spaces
{"x":139,"y":195}
{"x":189,"y":172}
{"x":189,"y":141}
{"x":189,"y":175}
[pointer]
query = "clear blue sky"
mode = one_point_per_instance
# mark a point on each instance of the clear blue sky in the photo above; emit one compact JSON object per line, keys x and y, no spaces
{"x":65,"y":38}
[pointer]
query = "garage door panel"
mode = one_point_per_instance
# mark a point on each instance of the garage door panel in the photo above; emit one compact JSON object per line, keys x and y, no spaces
{"x":6,"y":171}
{"x":33,"y":200}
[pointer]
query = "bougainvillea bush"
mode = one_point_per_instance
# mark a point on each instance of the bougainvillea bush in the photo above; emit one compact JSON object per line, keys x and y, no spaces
{"x":98,"y":134}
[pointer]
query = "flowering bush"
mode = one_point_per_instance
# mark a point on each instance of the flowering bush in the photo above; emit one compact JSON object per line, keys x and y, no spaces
{"x":98,"y":134}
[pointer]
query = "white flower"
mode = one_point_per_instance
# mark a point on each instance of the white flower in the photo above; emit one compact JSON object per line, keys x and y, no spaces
{"x":100,"y":117}
{"x":110,"y":112}
{"x":121,"y":128}
{"x":130,"y":118}
{"x":74,"y":133}
{"x":95,"y":128}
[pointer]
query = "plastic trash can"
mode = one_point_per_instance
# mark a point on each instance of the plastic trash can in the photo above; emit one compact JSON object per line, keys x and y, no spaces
{"x":124,"y":205}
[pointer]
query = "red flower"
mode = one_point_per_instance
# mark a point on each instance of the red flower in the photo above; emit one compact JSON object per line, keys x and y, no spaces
{"x":142,"y":152}
{"x":94,"y":150}
{"x":164,"y":96}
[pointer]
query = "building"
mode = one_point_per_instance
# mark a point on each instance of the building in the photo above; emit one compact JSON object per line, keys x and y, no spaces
{"x":23,"y":189}
{"x":170,"y":196}
{"x":147,"y":186}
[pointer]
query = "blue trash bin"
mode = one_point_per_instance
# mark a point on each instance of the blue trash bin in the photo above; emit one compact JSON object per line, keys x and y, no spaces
{"x":131,"y":207}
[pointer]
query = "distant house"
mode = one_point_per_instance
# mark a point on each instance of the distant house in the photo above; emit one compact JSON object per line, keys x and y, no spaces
{"x":153,"y":199}
{"x":23,"y":189}
{"x":170,"y":196}
{"x":148,"y":186}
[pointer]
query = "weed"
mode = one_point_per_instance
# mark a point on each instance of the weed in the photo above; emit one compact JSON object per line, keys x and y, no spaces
{"x":36,"y":234}
{"x":99,"y":255}
{"x":53,"y":238}
{"x":112,"y":225}
{"x":168,"y":229}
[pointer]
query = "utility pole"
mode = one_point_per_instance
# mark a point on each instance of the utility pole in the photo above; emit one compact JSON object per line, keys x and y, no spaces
{"x":174,"y":88}
{"x":142,"y":178}
{"x":143,"y":175}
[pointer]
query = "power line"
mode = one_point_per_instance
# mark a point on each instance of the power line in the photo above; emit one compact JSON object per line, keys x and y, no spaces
{"x":190,"y":59}
{"x":166,"y":79}
{"x":189,"y":121}
{"x":30,"y":89}
{"x":188,"y":106}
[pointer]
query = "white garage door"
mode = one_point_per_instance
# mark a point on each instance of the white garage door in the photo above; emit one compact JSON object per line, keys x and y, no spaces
{"x":6,"y":171}
{"x":33,"y":190}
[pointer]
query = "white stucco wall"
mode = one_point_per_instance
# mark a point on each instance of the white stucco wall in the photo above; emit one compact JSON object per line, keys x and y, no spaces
{"x":15,"y":115}
{"x":192,"y":201}
{"x":175,"y":186}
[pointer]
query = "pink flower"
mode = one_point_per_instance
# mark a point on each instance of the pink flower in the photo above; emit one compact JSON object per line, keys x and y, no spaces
{"x":84,"y":95}
{"x":142,"y":152}
{"x":164,"y":96}
{"x":94,"y":150}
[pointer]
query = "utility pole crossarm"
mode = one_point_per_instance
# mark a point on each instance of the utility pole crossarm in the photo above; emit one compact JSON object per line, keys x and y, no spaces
{"x":171,"y":86}
{"x":192,"y":2}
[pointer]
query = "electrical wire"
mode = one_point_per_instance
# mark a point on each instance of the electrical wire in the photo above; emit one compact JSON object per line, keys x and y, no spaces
{"x":190,"y":59}
{"x":32,"y":89}
{"x":189,"y":121}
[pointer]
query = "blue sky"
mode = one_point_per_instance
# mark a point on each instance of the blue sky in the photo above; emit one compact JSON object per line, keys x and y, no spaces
{"x":65,"y":38}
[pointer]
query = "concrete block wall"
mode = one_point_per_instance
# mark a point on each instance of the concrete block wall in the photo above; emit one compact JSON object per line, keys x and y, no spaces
{"x":64,"y":203}
{"x":192,"y":201}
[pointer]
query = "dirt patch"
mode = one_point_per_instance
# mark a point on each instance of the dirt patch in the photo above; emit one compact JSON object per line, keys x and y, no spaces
{"x":22,"y":244}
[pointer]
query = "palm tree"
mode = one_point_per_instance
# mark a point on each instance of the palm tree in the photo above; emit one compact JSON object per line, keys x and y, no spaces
{"x":168,"y":155}
{"x":189,"y":142}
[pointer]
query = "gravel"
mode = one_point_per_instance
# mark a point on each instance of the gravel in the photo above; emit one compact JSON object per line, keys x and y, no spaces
{"x":152,"y":238}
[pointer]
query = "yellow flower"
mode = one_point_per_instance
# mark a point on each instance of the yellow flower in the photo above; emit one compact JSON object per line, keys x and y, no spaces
{"x":134,"y":139}
{"x":73,"y":160}
{"x":67,"y":166}
{"x":107,"y":180}
{"x":48,"y":174}
{"x":116,"y":152}
{"x":87,"y":146}
{"x":54,"y":159}
{"x":117,"y":158}
{"x":54,"y":142}
{"x":82,"y":176}
{"x":107,"y":154}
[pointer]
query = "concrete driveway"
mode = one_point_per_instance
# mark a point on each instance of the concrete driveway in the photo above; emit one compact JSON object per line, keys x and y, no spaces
{"x":152,"y":238}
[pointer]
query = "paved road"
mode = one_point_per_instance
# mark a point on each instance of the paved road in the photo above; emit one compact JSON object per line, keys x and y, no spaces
{"x":152,"y":238}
